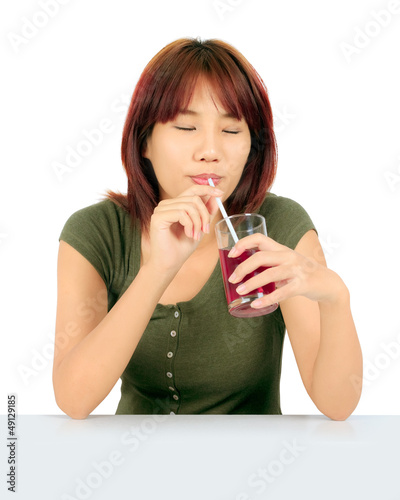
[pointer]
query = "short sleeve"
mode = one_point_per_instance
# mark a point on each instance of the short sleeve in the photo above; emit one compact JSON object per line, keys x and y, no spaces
{"x":287,"y":221}
{"x":94,"y":232}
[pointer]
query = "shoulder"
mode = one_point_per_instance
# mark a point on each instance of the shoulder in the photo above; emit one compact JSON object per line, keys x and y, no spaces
{"x":103,"y":234}
{"x":102,"y":217}
{"x":287,"y":220}
{"x":105,"y":209}
{"x":276,"y":204}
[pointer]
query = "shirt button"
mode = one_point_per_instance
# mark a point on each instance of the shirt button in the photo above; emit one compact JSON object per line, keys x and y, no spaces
{"x":169,"y":374}
{"x":171,"y":388}
{"x":176,"y":314}
{"x":170,"y":354}
{"x":175,"y":397}
{"x":173,"y":333}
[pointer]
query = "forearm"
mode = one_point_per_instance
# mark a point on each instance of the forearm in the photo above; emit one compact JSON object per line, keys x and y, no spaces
{"x":90,"y":370}
{"x":339,"y":360}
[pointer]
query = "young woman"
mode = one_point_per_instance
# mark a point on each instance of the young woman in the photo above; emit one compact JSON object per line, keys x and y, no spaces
{"x":140,"y":292}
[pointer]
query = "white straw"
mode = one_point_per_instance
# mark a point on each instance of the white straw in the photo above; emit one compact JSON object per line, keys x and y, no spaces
{"x":224,"y":214}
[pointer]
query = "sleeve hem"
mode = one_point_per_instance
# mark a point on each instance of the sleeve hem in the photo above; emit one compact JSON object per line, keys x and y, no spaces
{"x":80,"y":247}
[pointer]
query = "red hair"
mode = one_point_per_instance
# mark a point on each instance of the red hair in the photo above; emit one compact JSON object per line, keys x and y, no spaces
{"x":165,"y":87}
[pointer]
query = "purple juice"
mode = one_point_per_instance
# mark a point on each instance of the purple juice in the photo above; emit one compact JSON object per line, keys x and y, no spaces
{"x":239,"y":305}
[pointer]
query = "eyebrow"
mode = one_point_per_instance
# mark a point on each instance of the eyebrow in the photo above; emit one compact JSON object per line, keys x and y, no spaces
{"x":190,"y":112}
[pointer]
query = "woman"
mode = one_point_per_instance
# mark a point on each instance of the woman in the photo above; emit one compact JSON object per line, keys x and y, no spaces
{"x":140,"y":293}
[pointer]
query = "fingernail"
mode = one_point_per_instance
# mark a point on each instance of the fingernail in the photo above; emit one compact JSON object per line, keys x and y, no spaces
{"x":207,"y":229}
{"x":218,"y":191}
{"x":256,"y":303}
{"x":241,"y":289}
{"x":232,"y":278}
{"x":232,"y":253}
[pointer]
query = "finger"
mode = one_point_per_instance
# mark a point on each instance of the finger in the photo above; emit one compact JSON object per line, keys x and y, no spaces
{"x":204,"y":213}
{"x":207,"y":206}
{"x":275,"y":297}
{"x":189,"y":196}
{"x":201,"y":190}
{"x":196,"y":210}
{"x":164,"y":219}
{"x":280,"y":274}
{"x":257,"y":240}
{"x":187,"y":214}
{"x":258,"y":260}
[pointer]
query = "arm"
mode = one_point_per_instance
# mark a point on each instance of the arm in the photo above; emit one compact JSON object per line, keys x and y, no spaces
{"x":93,"y":347}
{"x":324,"y":339}
{"x":92,"y":351}
{"x":315,"y":305}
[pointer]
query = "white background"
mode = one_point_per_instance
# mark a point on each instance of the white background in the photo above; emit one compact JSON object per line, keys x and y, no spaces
{"x":337,"y":112}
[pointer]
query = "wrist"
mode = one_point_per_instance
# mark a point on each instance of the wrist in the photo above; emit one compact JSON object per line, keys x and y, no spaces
{"x":158,"y":276}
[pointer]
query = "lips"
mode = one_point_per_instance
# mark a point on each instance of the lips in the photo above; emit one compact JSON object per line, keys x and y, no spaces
{"x":202,"y":179}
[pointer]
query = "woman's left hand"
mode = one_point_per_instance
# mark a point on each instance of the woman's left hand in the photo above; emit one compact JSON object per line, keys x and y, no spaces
{"x":293,"y":273}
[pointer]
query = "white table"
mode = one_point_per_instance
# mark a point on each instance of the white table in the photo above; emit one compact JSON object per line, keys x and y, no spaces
{"x":205,"y":457}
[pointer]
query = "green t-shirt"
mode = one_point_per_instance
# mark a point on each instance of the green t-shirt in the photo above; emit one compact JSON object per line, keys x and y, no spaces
{"x":193,"y":357}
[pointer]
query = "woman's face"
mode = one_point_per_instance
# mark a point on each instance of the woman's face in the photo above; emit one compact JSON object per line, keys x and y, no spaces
{"x":202,"y":141}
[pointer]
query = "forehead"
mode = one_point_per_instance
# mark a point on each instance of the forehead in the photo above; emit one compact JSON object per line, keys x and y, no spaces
{"x":205,"y":98}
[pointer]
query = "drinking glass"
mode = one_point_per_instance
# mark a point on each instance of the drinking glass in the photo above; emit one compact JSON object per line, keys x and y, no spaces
{"x":243,"y":225}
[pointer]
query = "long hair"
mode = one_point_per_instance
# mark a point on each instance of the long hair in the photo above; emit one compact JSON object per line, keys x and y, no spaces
{"x":166,"y":87}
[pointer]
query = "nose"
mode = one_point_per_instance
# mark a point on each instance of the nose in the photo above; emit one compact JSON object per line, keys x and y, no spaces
{"x":208,"y":148}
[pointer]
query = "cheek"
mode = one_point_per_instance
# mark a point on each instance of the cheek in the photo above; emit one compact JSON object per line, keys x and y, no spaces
{"x":164,"y":156}
{"x":244,"y":150}
{"x":239,"y":155}
{"x":172,"y":149}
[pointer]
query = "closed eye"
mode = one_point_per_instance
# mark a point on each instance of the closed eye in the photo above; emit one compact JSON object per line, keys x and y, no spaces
{"x":233,"y":132}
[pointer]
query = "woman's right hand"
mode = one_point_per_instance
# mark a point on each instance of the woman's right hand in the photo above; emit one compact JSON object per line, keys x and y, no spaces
{"x":178,"y":225}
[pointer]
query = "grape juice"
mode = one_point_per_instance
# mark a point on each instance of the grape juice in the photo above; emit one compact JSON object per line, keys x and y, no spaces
{"x":239,"y":305}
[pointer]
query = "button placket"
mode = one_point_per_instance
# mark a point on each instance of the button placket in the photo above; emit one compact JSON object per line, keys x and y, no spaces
{"x":170,"y":357}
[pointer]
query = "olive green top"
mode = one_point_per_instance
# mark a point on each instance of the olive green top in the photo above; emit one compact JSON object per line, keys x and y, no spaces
{"x":193,"y":357}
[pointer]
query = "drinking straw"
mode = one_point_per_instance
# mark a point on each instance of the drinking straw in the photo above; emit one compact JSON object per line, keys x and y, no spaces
{"x":224,"y":214}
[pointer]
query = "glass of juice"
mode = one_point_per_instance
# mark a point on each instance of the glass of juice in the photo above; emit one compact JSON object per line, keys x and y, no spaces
{"x":243,"y":225}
